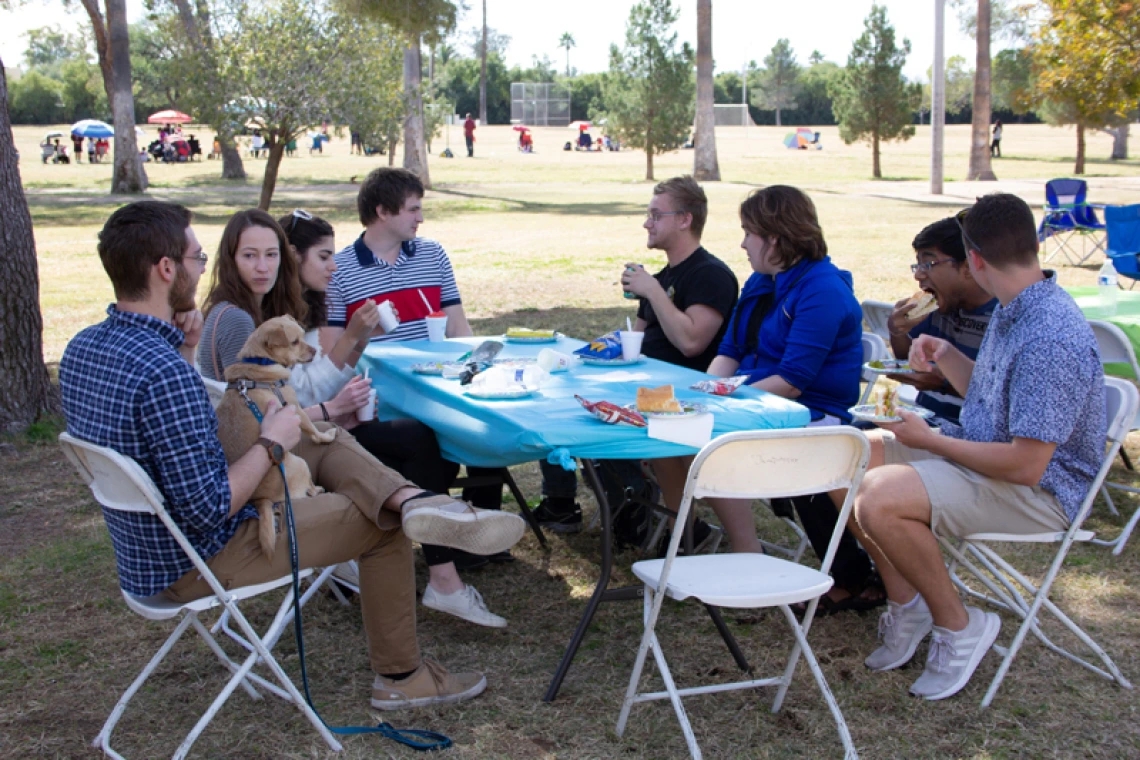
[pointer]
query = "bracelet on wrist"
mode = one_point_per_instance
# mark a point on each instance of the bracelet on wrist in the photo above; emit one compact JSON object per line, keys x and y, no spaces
{"x":324,"y":412}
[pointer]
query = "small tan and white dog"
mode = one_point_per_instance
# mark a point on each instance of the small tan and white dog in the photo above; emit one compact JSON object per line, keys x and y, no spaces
{"x":261,"y":375}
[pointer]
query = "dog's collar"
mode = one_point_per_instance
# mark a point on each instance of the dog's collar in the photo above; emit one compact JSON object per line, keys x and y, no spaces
{"x":258,"y":360}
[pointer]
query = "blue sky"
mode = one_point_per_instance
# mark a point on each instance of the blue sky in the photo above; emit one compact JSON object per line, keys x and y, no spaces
{"x":743,"y":30}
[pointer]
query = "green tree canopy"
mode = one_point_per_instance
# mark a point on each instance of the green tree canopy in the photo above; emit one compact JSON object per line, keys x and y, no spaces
{"x":777,"y":85}
{"x":872,"y":100}
{"x":649,"y":91}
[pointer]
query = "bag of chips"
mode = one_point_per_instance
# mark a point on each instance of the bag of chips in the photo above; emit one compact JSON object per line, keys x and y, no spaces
{"x":719,"y":386}
{"x":611,"y":413}
{"x":606,"y":347}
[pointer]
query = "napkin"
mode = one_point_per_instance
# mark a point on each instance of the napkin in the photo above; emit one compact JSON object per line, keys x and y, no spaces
{"x":693,"y":431}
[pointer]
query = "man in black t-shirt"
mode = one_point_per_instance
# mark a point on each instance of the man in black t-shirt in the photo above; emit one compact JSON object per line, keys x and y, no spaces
{"x":684,"y":311}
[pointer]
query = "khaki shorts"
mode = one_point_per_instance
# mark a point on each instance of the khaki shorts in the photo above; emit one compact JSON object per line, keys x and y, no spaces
{"x":964,"y":502}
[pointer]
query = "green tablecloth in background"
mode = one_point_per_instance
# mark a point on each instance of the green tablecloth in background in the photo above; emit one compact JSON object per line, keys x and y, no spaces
{"x":1127,"y":318}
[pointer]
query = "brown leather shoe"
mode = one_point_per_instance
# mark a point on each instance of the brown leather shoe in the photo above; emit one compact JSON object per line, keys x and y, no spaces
{"x":430,"y":684}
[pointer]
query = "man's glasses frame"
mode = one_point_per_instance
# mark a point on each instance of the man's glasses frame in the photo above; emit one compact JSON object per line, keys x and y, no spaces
{"x":960,"y":218}
{"x":655,"y":216}
{"x":199,"y":257}
{"x":926,"y":266}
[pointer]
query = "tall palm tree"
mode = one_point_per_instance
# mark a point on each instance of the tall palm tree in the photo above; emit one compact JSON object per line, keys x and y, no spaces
{"x":483,"y":70}
{"x":705,"y":165}
{"x":980,"y":167}
{"x":567,"y":41}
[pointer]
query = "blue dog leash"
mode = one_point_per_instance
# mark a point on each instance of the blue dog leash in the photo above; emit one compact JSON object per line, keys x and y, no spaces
{"x":416,"y":738}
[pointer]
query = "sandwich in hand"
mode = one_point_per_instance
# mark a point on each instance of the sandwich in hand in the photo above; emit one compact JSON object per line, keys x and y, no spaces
{"x":887,"y":402}
{"x":657,"y":400}
{"x":921,"y":304}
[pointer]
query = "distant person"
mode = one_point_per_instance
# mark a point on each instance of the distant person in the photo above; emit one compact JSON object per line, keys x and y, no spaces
{"x":995,"y":146}
{"x":317,"y":144}
{"x":585,"y":141}
{"x":258,"y":144}
{"x":77,"y":146}
{"x":469,"y":135}
{"x":195,"y":147}
{"x":61,"y":156}
{"x":357,"y":146}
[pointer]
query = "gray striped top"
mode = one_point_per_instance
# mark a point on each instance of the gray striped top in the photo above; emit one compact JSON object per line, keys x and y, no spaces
{"x":223,"y":335}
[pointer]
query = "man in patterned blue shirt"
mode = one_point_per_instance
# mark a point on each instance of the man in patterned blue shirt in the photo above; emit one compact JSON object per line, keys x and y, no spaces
{"x":128,"y":383}
{"x":1030,"y":442}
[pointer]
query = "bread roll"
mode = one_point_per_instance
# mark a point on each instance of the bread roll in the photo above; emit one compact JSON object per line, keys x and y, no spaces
{"x":657,"y":400}
{"x":922,"y":303}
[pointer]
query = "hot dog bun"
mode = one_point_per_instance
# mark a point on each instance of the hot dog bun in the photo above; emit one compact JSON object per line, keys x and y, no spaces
{"x":922,"y":303}
{"x":657,"y":400}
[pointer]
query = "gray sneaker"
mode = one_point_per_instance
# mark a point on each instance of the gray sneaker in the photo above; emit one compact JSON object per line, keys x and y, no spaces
{"x":901,"y":629}
{"x":441,"y":520}
{"x":955,"y":655}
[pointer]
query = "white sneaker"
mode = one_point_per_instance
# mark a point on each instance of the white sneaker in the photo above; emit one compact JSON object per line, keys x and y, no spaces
{"x":901,"y":629}
{"x":467,"y":603}
{"x":443,"y":521}
{"x":955,"y":655}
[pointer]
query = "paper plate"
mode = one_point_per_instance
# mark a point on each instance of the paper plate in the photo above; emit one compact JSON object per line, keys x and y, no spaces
{"x":866,"y":413}
{"x":688,"y":409}
{"x":594,"y":361}
{"x":501,"y":395}
{"x":532,"y":339}
{"x":890,"y":367}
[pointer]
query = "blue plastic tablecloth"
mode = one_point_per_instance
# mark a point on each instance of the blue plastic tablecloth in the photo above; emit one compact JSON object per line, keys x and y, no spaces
{"x":487,"y":433}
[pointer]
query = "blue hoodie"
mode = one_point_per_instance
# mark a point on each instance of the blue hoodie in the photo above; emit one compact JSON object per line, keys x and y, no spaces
{"x":811,"y":336}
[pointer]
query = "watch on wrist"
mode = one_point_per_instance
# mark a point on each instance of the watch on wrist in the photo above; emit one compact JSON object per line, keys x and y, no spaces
{"x":274,"y":449}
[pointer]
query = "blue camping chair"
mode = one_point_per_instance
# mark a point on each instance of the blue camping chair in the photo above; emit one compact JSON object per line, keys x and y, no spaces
{"x":1123,"y":223}
{"x":1067,"y":214}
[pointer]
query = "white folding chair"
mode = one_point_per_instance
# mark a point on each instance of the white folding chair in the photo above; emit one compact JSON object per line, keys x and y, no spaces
{"x":1010,"y":588}
{"x":875,"y":314}
{"x":1116,"y":348}
{"x":752,"y":465}
{"x":120,"y":484}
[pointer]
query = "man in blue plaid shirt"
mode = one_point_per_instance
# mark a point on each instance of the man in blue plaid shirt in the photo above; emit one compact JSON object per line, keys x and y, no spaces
{"x":129,"y":384}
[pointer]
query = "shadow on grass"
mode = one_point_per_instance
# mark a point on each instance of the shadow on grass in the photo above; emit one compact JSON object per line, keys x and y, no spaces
{"x":1070,"y":160}
{"x":579,"y":323}
{"x":600,"y":208}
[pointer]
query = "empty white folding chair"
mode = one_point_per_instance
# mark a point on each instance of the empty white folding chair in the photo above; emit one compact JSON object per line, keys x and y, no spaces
{"x":875,"y":314}
{"x":751,"y":465}
{"x":120,"y":484}
{"x":874,"y":350}
{"x":1011,"y":590}
{"x":1116,"y":348}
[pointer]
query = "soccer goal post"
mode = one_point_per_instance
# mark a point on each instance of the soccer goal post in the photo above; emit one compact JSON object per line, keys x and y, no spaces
{"x":732,"y":115}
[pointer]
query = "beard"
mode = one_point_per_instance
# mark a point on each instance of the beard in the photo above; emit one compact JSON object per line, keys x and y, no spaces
{"x":182,"y":292}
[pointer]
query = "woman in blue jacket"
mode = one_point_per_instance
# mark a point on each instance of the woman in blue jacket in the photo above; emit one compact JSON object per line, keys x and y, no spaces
{"x":796,"y":332}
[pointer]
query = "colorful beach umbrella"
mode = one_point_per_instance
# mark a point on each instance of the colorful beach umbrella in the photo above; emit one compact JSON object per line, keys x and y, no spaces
{"x":92,"y":128}
{"x":169,"y":116}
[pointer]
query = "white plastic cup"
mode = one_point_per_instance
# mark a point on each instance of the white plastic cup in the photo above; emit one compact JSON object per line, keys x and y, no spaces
{"x":631,"y":344}
{"x":367,"y":413}
{"x":388,"y":319}
{"x":437,"y":328}
{"x":554,"y":361}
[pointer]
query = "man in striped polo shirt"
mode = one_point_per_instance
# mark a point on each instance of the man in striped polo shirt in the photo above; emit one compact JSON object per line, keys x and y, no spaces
{"x":389,"y":263}
{"x":963,"y":313}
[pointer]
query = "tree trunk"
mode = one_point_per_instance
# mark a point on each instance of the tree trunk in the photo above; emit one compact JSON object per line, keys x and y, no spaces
{"x":415,"y":157}
{"x":128,"y":175}
{"x":232,"y":166}
{"x":980,"y":166}
{"x":102,"y":46}
{"x":1080,"y":167}
{"x":269,"y":184}
{"x":26,"y":390}
{"x":876,"y":169}
{"x":705,"y":165}
{"x":1119,"y":142}
{"x":483,"y":71}
{"x":778,"y":124}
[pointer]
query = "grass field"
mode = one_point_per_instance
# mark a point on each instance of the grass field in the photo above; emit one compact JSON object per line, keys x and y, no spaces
{"x":539,"y":240}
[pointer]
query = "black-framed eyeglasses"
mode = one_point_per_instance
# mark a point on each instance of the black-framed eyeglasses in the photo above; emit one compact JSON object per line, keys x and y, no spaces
{"x":655,"y":216}
{"x":926,"y":266}
{"x":299,"y":213}
{"x":960,"y":218}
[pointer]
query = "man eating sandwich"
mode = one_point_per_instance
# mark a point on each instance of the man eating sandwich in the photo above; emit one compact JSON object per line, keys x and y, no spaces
{"x":949,"y":305}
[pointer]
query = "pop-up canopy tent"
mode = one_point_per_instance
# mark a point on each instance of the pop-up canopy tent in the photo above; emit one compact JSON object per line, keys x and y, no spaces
{"x":802,"y":139}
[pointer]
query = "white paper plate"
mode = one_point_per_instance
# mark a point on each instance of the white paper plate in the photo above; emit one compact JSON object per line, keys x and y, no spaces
{"x":891,"y":367}
{"x":594,"y":361}
{"x":501,"y":395}
{"x":866,"y":413}
{"x":690,"y":409}
{"x":434,"y":368}
{"x":536,"y":339}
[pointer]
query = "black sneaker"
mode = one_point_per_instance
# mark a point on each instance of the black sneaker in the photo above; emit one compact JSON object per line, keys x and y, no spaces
{"x":705,"y":538}
{"x":559,"y":517}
